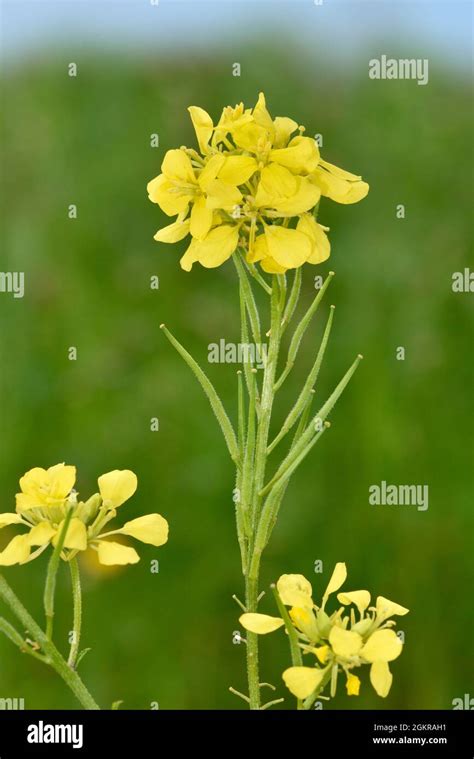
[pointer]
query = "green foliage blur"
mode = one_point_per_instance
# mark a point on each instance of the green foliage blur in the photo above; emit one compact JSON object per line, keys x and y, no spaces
{"x":167,"y":637}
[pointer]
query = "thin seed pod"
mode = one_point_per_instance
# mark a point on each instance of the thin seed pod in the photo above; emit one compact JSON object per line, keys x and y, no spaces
{"x":241,"y":413}
{"x":293,"y":299}
{"x":303,"y":418}
{"x":303,"y":397}
{"x":299,"y":431}
{"x":300,"y":330}
{"x":282,"y":285}
{"x":287,"y":471}
{"x":239,"y":520}
{"x":320,"y":417}
{"x":244,"y":338}
{"x":214,"y":400}
{"x":249,"y":300}
{"x":249,"y":458}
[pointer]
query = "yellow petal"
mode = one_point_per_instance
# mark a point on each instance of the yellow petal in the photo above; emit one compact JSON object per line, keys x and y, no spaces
{"x":386,"y":608}
{"x":61,"y":480}
{"x":305,"y":197}
{"x":177,"y":166}
{"x":301,"y":155}
{"x":249,"y":136}
{"x":173,"y":232}
{"x":76,"y":536}
{"x":165,"y":194}
{"x":41,"y":534}
{"x":203,"y":126}
{"x":260,"y":623}
{"x":116,"y":487}
{"x":320,"y":245}
{"x":284,"y":127}
{"x":383,"y":645}
{"x":338,"y":578}
{"x":305,"y":621}
{"x":201,"y":219}
{"x":190,"y":256}
{"x":218,"y":246}
{"x":259,"y":250}
{"x":381,"y":678}
{"x":152,"y":529}
{"x":237,"y":169}
{"x":352,"y":684}
{"x":271,"y":267}
{"x":302,"y":681}
{"x":261,"y":115}
{"x":210,"y":170}
{"x":341,"y":173}
{"x":222,"y":195}
{"x":338,"y":188}
{"x":26,"y":501}
{"x":288,"y":247}
{"x":16,"y":552}
{"x":33,"y":480}
{"x":344,"y":642}
{"x":275,"y":183}
{"x":9,"y":518}
{"x":111,"y":553}
{"x":361,"y":599}
{"x":295,"y":590}
{"x":322,"y":653}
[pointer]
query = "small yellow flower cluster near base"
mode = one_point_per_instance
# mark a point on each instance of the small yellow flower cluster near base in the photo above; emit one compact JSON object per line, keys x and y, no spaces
{"x":47,"y":496}
{"x":254,"y":183}
{"x":341,"y":641}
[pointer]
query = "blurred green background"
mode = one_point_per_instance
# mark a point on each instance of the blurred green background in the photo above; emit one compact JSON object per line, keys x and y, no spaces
{"x":167,"y":638}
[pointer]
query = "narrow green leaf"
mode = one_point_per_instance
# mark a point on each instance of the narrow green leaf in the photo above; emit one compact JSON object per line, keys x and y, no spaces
{"x":305,"y":393}
{"x":301,"y":329}
{"x":214,"y":400}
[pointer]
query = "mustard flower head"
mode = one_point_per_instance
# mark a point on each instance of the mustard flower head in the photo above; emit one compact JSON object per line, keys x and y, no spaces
{"x":354,"y":635}
{"x":47,"y":496}
{"x":256,"y":183}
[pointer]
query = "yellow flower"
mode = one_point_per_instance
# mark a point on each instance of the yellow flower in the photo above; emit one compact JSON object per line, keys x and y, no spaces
{"x":45,"y":487}
{"x":47,"y":497}
{"x":256,"y":183}
{"x":339,"y":642}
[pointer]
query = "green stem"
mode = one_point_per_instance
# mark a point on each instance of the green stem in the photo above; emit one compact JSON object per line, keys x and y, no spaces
{"x":251,"y":602}
{"x":55,"y":660}
{"x":257,"y":477}
{"x":53,"y":566}
{"x":77,"y":617}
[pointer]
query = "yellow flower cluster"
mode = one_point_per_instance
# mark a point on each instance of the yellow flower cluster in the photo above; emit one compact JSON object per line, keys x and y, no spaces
{"x":254,"y":183}
{"x":47,"y":496}
{"x":340,"y":641}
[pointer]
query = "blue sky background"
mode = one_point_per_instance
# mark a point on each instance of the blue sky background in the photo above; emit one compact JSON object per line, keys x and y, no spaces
{"x":342,"y":28}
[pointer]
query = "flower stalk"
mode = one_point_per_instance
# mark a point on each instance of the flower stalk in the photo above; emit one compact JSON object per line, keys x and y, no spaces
{"x":47,"y":651}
